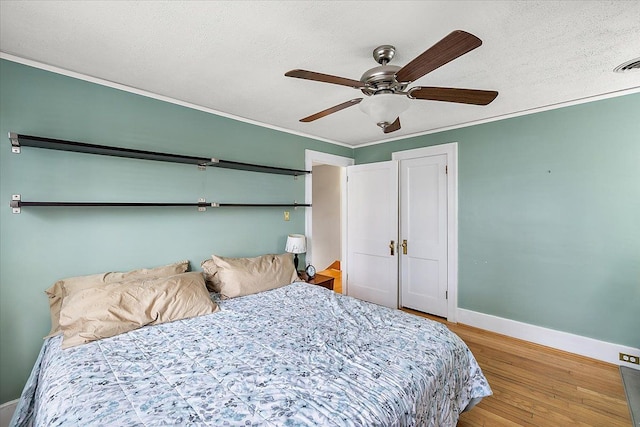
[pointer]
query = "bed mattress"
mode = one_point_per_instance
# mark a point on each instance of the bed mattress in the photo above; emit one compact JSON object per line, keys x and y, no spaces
{"x":296,"y":355}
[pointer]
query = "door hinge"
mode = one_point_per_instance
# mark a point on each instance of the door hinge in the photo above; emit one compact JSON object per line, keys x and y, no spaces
{"x":446,"y":294}
{"x":446,"y":169}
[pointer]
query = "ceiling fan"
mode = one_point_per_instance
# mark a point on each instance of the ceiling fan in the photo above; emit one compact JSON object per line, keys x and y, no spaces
{"x":381,"y":84}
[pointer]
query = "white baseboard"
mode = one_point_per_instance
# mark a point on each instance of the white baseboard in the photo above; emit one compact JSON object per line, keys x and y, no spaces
{"x":6,"y":412}
{"x":584,"y":346}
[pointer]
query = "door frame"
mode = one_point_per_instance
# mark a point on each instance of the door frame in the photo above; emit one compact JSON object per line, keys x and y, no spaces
{"x":318,"y":157}
{"x":451,"y":150}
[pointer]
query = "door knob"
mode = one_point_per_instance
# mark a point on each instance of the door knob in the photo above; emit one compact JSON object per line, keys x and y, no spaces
{"x":392,"y":246}
{"x":404,"y":246}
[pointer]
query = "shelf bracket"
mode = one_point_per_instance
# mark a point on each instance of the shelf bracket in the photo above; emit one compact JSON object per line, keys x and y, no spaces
{"x":15,"y":143}
{"x":203,"y":205}
{"x":15,"y":203}
{"x":212,"y":161}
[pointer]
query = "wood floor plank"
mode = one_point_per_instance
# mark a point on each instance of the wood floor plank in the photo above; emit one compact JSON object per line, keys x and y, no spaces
{"x":486,"y":417}
{"x":603,"y":408}
{"x":535,"y":385}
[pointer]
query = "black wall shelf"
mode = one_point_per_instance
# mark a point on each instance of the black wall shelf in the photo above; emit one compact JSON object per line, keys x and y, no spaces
{"x":17,"y":203}
{"x":20,"y":204}
{"x":18,"y":140}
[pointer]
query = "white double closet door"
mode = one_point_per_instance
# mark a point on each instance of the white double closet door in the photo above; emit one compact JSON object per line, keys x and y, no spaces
{"x":397,"y":253}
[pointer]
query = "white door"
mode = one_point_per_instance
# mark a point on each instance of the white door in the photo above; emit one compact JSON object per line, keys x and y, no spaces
{"x":372,"y":229}
{"x":423,"y":227}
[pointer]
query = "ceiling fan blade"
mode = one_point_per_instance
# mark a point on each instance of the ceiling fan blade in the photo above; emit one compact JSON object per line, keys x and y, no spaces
{"x":326,"y":78}
{"x":393,"y":126}
{"x":448,"y":94}
{"x":449,"y":48}
{"x":331,"y":110}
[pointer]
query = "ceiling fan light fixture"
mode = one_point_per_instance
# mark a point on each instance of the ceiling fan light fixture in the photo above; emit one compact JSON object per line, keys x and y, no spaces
{"x":384,"y":108}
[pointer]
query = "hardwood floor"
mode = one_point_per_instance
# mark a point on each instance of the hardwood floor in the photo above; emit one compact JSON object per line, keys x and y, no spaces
{"x":535,"y":385}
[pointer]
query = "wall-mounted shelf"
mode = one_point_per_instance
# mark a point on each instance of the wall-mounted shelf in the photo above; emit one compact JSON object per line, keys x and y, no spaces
{"x":17,"y":204}
{"x":18,"y":141}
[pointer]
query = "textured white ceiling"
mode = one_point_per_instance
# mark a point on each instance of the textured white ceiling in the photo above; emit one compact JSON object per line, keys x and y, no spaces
{"x":231,"y":56}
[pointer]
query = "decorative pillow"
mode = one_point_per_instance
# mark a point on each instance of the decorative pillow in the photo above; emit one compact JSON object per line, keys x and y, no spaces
{"x":237,"y":277}
{"x":109,"y":309}
{"x":55,"y":292}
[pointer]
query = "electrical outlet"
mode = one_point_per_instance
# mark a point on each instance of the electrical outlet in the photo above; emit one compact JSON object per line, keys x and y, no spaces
{"x":286,"y":215}
{"x":630,"y":358}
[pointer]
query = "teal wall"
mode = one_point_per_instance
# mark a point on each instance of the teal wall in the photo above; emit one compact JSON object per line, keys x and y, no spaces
{"x":548,"y":205}
{"x":42,"y":245}
{"x":549,"y":217}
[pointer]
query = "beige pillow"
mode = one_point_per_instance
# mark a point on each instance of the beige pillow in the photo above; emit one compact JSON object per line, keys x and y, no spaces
{"x":210,"y":272}
{"x":55,"y":292}
{"x":236,"y":277}
{"x":109,"y":309}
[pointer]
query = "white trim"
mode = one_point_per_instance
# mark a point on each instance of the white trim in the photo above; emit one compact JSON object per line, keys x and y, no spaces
{"x":318,"y":157}
{"x":9,"y":403}
{"x":130,"y":89}
{"x":584,"y":346}
{"x":6,"y":412}
{"x":163,"y":98}
{"x":556,"y":106}
{"x":451,"y":150}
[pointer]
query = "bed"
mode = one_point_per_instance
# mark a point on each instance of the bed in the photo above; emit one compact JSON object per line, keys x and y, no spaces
{"x":296,"y":355}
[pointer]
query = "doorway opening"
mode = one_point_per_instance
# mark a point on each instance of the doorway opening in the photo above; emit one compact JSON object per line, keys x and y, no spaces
{"x":325,"y":222}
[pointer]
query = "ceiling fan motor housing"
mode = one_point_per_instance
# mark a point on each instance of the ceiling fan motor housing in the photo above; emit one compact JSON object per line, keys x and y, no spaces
{"x":381,"y":79}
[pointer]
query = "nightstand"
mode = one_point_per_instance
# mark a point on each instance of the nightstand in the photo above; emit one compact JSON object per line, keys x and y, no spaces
{"x":319,"y":279}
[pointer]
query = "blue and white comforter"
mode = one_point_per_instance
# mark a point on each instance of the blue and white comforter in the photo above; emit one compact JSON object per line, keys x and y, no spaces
{"x":294,"y":356}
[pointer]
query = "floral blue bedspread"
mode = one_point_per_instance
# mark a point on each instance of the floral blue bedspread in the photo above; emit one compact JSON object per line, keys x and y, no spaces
{"x":295,"y":356}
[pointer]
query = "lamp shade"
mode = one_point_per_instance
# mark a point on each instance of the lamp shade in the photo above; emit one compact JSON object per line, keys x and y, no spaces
{"x":384,"y":107}
{"x":296,"y":244}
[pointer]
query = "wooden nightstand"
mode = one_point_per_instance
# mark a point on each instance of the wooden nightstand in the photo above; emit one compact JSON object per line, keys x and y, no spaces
{"x":319,"y":279}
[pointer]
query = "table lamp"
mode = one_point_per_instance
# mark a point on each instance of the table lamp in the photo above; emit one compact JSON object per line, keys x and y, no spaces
{"x":296,"y":244}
